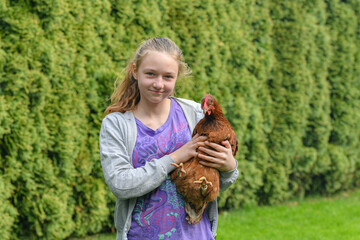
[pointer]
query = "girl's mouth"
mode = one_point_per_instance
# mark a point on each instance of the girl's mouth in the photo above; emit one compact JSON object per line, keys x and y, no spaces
{"x":156,"y":91}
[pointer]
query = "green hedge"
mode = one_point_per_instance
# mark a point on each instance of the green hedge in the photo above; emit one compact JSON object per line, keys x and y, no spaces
{"x":287,"y":73}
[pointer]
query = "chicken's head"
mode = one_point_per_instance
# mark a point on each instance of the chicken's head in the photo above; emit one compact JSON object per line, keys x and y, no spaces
{"x":207,"y":104}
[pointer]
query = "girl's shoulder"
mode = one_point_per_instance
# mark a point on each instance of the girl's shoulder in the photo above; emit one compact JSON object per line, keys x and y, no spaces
{"x":188,"y":104}
{"x":121,"y":126}
{"x":191,"y":109}
{"x":119,"y":119}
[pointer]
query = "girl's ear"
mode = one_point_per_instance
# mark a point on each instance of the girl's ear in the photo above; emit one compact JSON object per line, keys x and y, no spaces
{"x":134,"y":72}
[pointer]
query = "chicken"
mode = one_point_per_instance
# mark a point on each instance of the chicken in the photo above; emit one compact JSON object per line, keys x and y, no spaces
{"x":197,"y":183}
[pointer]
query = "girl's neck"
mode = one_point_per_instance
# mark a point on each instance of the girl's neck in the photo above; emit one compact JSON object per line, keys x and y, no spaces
{"x":153,"y":115}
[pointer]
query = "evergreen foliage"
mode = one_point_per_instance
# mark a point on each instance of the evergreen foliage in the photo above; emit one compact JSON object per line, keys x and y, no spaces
{"x":286,"y":72}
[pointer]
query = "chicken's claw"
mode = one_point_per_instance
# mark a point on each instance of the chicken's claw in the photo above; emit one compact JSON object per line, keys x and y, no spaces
{"x":204,"y":185}
{"x":180,"y":168}
{"x":202,"y":180}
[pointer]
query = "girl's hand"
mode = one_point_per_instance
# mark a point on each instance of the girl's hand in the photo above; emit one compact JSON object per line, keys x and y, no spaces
{"x":188,"y":150}
{"x":220,"y":157}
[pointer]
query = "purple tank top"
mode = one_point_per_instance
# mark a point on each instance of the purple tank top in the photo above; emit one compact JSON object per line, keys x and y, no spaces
{"x":160,"y":214}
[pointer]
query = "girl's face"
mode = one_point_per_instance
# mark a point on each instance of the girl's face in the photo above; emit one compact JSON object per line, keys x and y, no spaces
{"x":156,"y":76}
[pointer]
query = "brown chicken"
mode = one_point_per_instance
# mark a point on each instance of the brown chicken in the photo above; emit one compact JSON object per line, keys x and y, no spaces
{"x":197,"y":183}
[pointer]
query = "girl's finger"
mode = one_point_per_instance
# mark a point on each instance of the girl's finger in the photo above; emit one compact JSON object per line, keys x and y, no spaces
{"x":215,"y":146}
{"x":210,"y":152}
{"x":210,"y":158}
{"x":209,"y":164}
{"x":226,"y":144}
{"x":200,"y":138}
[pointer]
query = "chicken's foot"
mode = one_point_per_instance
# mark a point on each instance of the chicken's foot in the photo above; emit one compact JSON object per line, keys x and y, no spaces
{"x":180,"y":168}
{"x":204,"y":184}
{"x":203,"y":181}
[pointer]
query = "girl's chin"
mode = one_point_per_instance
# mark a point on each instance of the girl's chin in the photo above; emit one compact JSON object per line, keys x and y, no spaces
{"x":158,"y":98}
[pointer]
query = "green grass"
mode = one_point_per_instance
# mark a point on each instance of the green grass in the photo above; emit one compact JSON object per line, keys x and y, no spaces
{"x":336,"y":218}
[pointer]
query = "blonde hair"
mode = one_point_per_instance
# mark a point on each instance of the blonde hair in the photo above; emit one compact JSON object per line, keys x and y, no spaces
{"x":126,"y":94}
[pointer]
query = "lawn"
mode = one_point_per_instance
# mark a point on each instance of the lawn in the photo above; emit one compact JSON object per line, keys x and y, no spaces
{"x":335,"y":218}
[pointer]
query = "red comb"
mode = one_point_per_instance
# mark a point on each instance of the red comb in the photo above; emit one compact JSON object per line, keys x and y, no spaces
{"x":205,"y":102}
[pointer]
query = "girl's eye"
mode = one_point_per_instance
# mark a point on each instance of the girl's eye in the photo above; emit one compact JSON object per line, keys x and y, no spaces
{"x":169,"y":77}
{"x":150,"y":73}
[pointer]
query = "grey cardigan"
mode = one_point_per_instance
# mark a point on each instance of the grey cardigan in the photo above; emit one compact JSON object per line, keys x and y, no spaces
{"x":117,"y":140}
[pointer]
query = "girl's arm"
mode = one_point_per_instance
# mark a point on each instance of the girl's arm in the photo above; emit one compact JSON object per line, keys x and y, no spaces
{"x":123,"y":179}
{"x":228,"y":178}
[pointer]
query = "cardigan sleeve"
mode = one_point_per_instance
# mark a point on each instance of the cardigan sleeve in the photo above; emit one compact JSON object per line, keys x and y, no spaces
{"x":228,"y":178}
{"x":123,"y":179}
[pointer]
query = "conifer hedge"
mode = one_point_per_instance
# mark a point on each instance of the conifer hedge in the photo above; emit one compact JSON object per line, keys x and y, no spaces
{"x":287,"y":73}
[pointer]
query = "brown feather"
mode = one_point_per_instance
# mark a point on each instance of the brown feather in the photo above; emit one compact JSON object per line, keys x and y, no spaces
{"x":218,"y":129}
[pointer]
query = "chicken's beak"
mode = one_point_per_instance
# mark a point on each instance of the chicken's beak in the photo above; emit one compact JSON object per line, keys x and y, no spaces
{"x":207,"y":111}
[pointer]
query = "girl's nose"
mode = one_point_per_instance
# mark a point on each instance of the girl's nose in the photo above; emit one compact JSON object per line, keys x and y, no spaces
{"x":158,"y":83}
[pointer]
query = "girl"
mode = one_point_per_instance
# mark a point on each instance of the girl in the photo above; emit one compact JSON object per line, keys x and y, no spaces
{"x":145,"y":130}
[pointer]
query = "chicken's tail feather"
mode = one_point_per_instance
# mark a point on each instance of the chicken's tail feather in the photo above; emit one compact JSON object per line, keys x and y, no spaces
{"x":193,"y":215}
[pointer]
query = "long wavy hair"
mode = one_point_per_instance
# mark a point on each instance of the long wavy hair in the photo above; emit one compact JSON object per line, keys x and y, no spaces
{"x":126,"y":94}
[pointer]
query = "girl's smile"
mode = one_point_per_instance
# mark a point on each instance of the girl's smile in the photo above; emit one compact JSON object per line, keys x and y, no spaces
{"x":156,"y":76}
